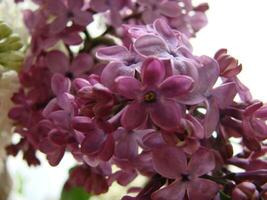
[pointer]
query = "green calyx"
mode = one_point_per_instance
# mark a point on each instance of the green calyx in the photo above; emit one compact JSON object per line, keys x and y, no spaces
{"x":10,"y":44}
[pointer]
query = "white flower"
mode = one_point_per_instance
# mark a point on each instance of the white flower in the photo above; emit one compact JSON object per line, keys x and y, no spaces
{"x":10,"y":11}
{"x":9,"y":83}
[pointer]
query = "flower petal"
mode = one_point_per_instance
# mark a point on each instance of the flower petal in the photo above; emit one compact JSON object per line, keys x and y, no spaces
{"x":107,"y":149}
{"x":114,"y":70}
{"x":75,"y":4}
{"x":66,"y":102}
{"x":57,"y":62}
{"x":170,"y":9}
{"x":202,"y":162}
{"x":82,"y":63}
{"x":169,"y":162}
{"x":149,"y":45}
{"x":134,"y":115}
{"x":202,"y":189}
{"x":212,"y":117}
{"x":176,"y":85}
{"x":224,"y":94}
{"x":55,"y":7}
{"x":83,"y":124}
{"x":61,"y":118}
{"x":60,"y":84}
{"x":174,"y":191}
{"x":113,"y":53}
{"x":55,"y":157}
{"x":165,"y":31}
{"x":208,"y":74}
{"x":152,"y":72}
{"x":127,"y":86}
{"x":50,"y":107}
{"x":153,"y":140}
{"x":82,"y":18}
{"x":59,"y":24}
{"x":127,"y":147}
{"x":166,"y":115}
{"x":93,"y":142}
{"x":198,"y":21}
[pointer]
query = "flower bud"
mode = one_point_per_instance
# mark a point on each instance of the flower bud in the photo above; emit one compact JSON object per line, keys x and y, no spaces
{"x":5,"y":31}
{"x":229,"y":66}
{"x":245,"y":191}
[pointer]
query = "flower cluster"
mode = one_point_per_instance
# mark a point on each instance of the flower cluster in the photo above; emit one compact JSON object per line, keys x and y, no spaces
{"x":10,"y":58}
{"x":145,"y":104}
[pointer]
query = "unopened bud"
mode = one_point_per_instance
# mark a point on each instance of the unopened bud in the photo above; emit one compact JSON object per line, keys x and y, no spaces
{"x":245,"y":191}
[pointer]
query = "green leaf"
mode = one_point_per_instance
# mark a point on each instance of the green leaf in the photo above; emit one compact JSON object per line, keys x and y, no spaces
{"x":74,"y":194}
{"x":224,"y":196}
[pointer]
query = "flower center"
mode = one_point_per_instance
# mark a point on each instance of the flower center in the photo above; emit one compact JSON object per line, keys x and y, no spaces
{"x":150,"y":97}
{"x":70,"y":14}
{"x":69,"y":75}
{"x":185,"y":177}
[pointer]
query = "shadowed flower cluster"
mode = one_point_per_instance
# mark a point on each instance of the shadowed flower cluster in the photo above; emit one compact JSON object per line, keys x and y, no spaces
{"x":135,"y":101}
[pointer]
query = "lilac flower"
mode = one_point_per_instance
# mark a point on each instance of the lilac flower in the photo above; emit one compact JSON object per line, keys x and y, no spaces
{"x":123,"y":62}
{"x":57,"y":137}
{"x":188,"y":181}
{"x":246,"y":191}
{"x":180,"y":15}
{"x":254,"y":126}
{"x":155,"y":9}
{"x":229,"y":69}
{"x":93,"y":180}
{"x":93,"y":98}
{"x":57,"y":125}
{"x":113,"y":6}
{"x":168,"y":45}
{"x":186,"y":136}
{"x":154,"y":97}
{"x":65,"y":11}
{"x":58,"y":62}
{"x":126,"y":149}
{"x":96,"y":145}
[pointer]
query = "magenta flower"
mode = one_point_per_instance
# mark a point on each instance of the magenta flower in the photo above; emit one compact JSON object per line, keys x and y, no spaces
{"x":153,"y":97}
{"x":92,"y":179}
{"x":187,"y":175}
{"x":123,"y":62}
{"x":167,"y":44}
{"x":96,"y":145}
{"x":58,"y":62}
{"x":113,"y":6}
{"x":66,"y":11}
{"x":155,"y":9}
{"x":94,"y":99}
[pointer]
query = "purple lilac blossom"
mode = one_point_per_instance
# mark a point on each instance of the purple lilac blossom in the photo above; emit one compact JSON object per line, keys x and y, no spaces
{"x":145,"y":104}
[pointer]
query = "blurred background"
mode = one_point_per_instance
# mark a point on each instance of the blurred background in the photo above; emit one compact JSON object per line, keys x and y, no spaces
{"x":238,"y":25}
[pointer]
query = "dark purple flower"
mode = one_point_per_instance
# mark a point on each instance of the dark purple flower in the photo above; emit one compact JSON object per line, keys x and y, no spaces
{"x":155,"y":9}
{"x":154,"y":97}
{"x":123,"y":62}
{"x":92,"y":179}
{"x":96,"y":145}
{"x":93,"y":98}
{"x":58,"y":62}
{"x":66,"y":11}
{"x":187,"y":175}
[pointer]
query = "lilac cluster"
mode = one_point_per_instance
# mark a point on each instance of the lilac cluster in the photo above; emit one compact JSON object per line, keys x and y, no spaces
{"x":148,"y":106}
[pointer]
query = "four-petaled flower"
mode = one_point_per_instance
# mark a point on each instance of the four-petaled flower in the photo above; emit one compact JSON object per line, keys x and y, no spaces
{"x":153,"y":97}
{"x":171,"y":162}
{"x":65,"y":11}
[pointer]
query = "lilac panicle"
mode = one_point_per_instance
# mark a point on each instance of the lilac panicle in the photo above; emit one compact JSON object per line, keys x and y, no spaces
{"x":136,"y":97}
